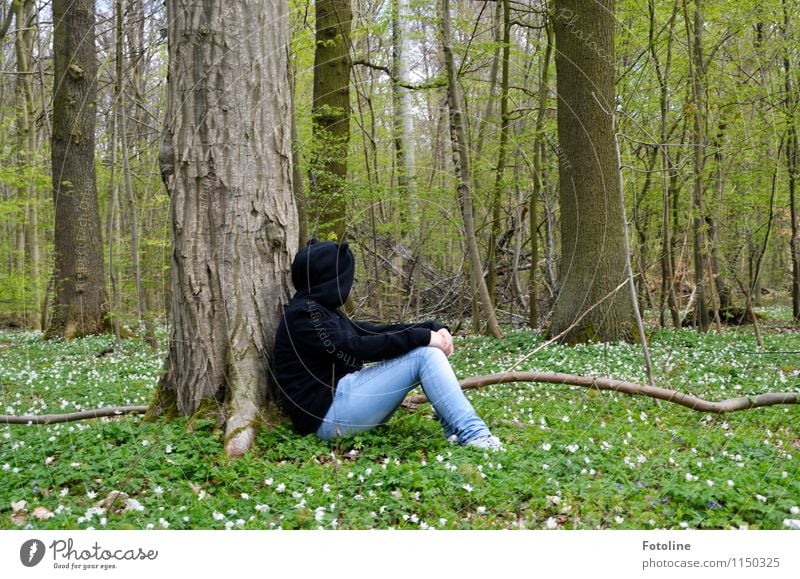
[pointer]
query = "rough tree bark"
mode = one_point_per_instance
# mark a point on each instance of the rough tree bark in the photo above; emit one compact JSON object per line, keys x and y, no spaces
{"x":331,"y":116}
{"x":226,"y":161}
{"x":81,"y":303}
{"x":592,"y":222}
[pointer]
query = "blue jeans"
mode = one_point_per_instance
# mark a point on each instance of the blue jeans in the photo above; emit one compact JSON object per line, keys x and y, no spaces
{"x":369,"y":397}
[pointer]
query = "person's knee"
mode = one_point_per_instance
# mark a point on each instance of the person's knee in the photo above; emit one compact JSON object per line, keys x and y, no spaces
{"x":432,"y":354}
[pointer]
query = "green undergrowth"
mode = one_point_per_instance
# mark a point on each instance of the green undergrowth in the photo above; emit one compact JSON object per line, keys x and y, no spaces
{"x":574,"y":459}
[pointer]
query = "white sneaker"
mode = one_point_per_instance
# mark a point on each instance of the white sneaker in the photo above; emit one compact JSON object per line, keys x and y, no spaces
{"x":488,"y":442}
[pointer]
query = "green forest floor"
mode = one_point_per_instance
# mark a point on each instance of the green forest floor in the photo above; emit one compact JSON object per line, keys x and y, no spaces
{"x":574,"y":459}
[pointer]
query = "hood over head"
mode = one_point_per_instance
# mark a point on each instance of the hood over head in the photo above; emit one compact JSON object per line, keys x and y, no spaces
{"x":324,"y":271}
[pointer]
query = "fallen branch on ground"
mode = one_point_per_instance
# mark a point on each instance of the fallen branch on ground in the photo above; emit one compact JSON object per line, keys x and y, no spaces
{"x":698,"y":404}
{"x":474,"y":382}
{"x":72,"y":417}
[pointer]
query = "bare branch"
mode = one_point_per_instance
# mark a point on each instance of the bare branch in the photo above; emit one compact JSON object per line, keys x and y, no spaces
{"x":74,"y":416}
{"x":683,"y":399}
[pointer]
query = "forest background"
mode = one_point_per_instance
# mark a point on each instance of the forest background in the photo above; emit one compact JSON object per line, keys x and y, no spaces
{"x":603,"y":172}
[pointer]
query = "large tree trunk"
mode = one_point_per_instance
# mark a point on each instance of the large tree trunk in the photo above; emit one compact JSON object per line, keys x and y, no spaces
{"x":461,"y":167}
{"x":592,"y":221}
{"x":226,"y":161}
{"x":81,"y":303}
{"x":331,"y":116}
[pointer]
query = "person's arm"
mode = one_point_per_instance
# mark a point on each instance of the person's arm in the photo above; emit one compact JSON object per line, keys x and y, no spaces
{"x":334,"y":335}
{"x":366,"y":328}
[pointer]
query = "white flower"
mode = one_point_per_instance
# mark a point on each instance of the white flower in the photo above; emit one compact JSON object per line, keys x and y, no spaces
{"x":619,"y":519}
{"x":481,"y":510}
{"x":168,"y":449}
{"x":573,"y":448}
{"x":150,"y":526}
{"x":442,"y":521}
{"x":6,"y":467}
{"x":262,"y":508}
{"x":551,"y":523}
{"x":240,"y":523}
{"x":163,"y":522}
{"x":133,"y":505}
{"x":545,"y":466}
{"x":710,"y":483}
{"x":794,"y":510}
{"x":761,"y":498}
{"x":546,"y":446}
{"x":280,"y":488}
{"x":684,"y":525}
{"x":792,"y":523}
{"x":48,"y":460}
{"x":145,"y":442}
{"x":158,"y":490}
{"x":467,"y":487}
{"x":91,"y":494}
{"x":690,"y":477}
{"x":245,"y":496}
{"x":268,"y":482}
{"x":729,"y":483}
{"x":326,"y":488}
{"x":217,"y":516}
{"x":201,"y":495}
{"x":64,"y":491}
{"x":439,"y":458}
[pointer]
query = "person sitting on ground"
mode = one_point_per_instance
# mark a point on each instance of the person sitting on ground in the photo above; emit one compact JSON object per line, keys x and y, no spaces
{"x":320,"y":354}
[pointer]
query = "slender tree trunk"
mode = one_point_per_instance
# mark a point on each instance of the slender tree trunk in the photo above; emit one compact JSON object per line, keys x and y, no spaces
{"x":26,"y":151}
{"x":502,"y":151}
{"x":226,"y":161}
{"x":403,"y":120}
{"x":462,"y":171}
{"x":593,"y":261}
{"x":667,"y":271}
{"x":122,"y":131}
{"x":697,"y":73}
{"x":538,"y":179}
{"x":297,"y":173}
{"x":791,"y":102}
{"x":113,"y":194}
{"x":81,"y":303}
{"x":331,"y":115}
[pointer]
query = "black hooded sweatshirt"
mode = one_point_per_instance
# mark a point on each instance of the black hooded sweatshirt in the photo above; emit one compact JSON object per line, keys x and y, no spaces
{"x":316,"y":344}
